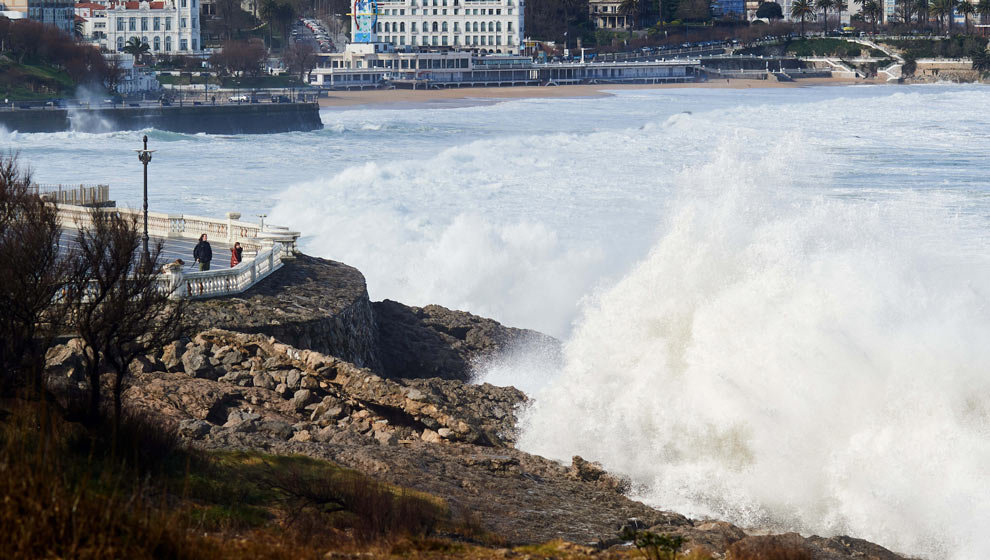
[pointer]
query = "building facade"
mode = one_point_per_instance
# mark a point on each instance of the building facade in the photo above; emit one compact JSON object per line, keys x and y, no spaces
{"x":166,"y":26}
{"x":487,"y":26}
{"x":60,"y":13}
{"x":605,"y":14}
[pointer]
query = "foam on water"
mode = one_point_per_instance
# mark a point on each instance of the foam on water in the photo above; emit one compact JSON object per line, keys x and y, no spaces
{"x":774,"y":301}
{"x":793,"y":362}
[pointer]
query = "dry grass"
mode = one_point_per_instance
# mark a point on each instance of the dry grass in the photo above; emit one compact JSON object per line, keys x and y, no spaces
{"x":71,"y":492}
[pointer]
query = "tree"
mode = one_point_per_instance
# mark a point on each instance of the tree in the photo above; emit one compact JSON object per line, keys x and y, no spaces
{"x":983,"y":8}
{"x":31,"y":278}
{"x":801,"y":9}
{"x":113,"y":72}
{"x":240,"y":57}
{"x":300,"y":58}
{"x":824,"y":6}
{"x":840,"y":6}
{"x":981,"y":61}
{"x":922,"y":10}
{"x":769,"y":10}
{"x":942,"y":9}
{"x":120,"y":311}
{"x":632,"y":10}
{"x":136,"y":48}
{"x":872,"y":11}
{"x":268,"y":11}
{"x":965,"y":9}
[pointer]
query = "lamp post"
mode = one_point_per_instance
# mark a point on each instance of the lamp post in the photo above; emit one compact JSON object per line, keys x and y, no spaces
{"x":144,"y":156}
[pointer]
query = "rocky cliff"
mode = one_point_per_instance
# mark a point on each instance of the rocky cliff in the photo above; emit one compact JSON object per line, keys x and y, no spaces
{"x":250,"y":386}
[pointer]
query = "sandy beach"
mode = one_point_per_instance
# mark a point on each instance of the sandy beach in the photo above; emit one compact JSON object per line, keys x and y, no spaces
{"x":460,"y":97}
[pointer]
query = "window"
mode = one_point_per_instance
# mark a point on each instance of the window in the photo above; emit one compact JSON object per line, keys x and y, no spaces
{"x":508,"y":26}
{"x":498,"y":39}
{"x":444,"y":27}
{"x":120,"y":24}
{"x":168,"y":41}
{"x":193,"y":3}
{"x":120,"y":43}
{"x":444,"y":41}
{"x":482,"y":27}
{"x":156,"y":24}
{"x":144,"y":24}
{"x":498,"y":26}
{"x":183,"y":4}
{"x":158,"y":44}
{"x":434,"y":40}
{"x":194,"y":43}
{"x":482,"y":39}
{"x":456,"y":29}
{"x":457,"y":40}
{"x":183,"y":45}
{"x":168,"y":26}
{"x":475,"y":26}
{"x":182,"y":24}
{"x":144,"y":40}
{"x":388,"y":27}
{"x":435,"y":27}
{"x":412,"y":26}
{"x":132,"y":24}
{"x":402,"y":26}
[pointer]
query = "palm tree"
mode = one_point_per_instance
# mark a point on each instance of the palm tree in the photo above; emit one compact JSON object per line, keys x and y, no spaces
{"x":965,"y":9}
{"x":824,"y":5}
{"x":922,"y":9}
{"x":942,"y":9}
{"x":801,"y":9}
{"x":983,"y":8}
{"x":981,"y":61}
{"x":267,"y":12}
{"x":873,"y":11}
{"x":136,"y":48}
{"x":840,"y":6}
{"x":631,"y":9}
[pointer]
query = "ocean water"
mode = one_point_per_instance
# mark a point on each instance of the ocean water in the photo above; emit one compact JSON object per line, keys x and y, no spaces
{"x":774,"y":302}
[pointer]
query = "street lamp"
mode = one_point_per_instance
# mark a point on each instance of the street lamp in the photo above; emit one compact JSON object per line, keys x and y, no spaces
{"x":144,"y":156}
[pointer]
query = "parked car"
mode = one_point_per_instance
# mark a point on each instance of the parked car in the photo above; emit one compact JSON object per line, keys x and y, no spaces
{"x":281,"y":99}
{"x":238,"y":99}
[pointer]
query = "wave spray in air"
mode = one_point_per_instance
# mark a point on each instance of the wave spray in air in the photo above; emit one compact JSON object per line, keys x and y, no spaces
{"x":791,"y":362}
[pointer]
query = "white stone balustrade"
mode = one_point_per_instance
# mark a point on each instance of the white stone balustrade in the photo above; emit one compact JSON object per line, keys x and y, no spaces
{"x":274,"y":245}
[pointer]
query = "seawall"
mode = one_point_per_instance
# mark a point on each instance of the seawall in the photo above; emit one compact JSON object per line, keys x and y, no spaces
{"x":247,"y":118}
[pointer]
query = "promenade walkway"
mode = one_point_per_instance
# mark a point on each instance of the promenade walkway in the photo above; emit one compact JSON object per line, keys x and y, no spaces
{"x":265,"y":248}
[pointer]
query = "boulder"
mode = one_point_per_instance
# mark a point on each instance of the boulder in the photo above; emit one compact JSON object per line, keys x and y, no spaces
{"x":195,"y":362}
{"x":263,"y":380}
{"x":172,"y":356}
{"x":301,"y":398}
{"x":193,"y":428}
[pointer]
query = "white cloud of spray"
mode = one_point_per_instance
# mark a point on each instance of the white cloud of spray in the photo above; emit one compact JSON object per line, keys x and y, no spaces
{"x":804,"y":364}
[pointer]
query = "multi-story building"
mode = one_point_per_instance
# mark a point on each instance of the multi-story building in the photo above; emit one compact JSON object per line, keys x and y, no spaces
{"x":489,"y":26}
{"x":166,"y":26}
{"x":729,"y":8}
{"x":605,"y":14}
{"x":93,"y":18}
{"x":60,"y":13}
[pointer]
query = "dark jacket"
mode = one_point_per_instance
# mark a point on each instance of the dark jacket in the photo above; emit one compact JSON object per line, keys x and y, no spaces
{"x":203,"y":252}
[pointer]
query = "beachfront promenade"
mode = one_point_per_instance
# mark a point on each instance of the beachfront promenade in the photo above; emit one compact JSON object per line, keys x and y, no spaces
{"x":266,"y":248}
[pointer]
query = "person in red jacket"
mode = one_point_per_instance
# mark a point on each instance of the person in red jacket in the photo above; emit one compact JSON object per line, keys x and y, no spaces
{"x":235,"y":254}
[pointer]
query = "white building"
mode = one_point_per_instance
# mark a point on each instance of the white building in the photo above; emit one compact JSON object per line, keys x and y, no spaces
{"x":490,"y":26}
{"x":93,"y":17}
{"x":166,"y":26}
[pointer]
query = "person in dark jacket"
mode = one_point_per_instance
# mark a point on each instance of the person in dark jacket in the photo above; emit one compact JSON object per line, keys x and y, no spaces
{"x":235,"y":254}
{"x":203,"y":253}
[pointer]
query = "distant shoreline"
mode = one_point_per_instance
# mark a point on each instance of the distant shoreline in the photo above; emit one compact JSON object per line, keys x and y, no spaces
{"x":463,"y":97}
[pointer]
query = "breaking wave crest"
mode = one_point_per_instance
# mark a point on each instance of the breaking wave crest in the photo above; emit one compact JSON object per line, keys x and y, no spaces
{"x":797,"y":363}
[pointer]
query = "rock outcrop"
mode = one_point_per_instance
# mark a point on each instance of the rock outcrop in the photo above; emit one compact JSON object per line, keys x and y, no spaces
{"x":434,"y":341}
{"x":309,"y":303}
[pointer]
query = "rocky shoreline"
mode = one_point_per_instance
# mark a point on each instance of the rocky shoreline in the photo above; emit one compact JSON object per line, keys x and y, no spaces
{"x":267,"y":371}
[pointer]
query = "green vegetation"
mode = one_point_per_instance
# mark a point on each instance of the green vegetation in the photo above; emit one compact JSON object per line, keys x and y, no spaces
{"x":654,"y":546}
{"x":33,"y":81}
{"x":824,"y":47}
{"x":959,"y":46}
{"x":186,"y":79}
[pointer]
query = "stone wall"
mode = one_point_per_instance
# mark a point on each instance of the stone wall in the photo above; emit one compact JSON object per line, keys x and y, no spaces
{"x":248,"y":118}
